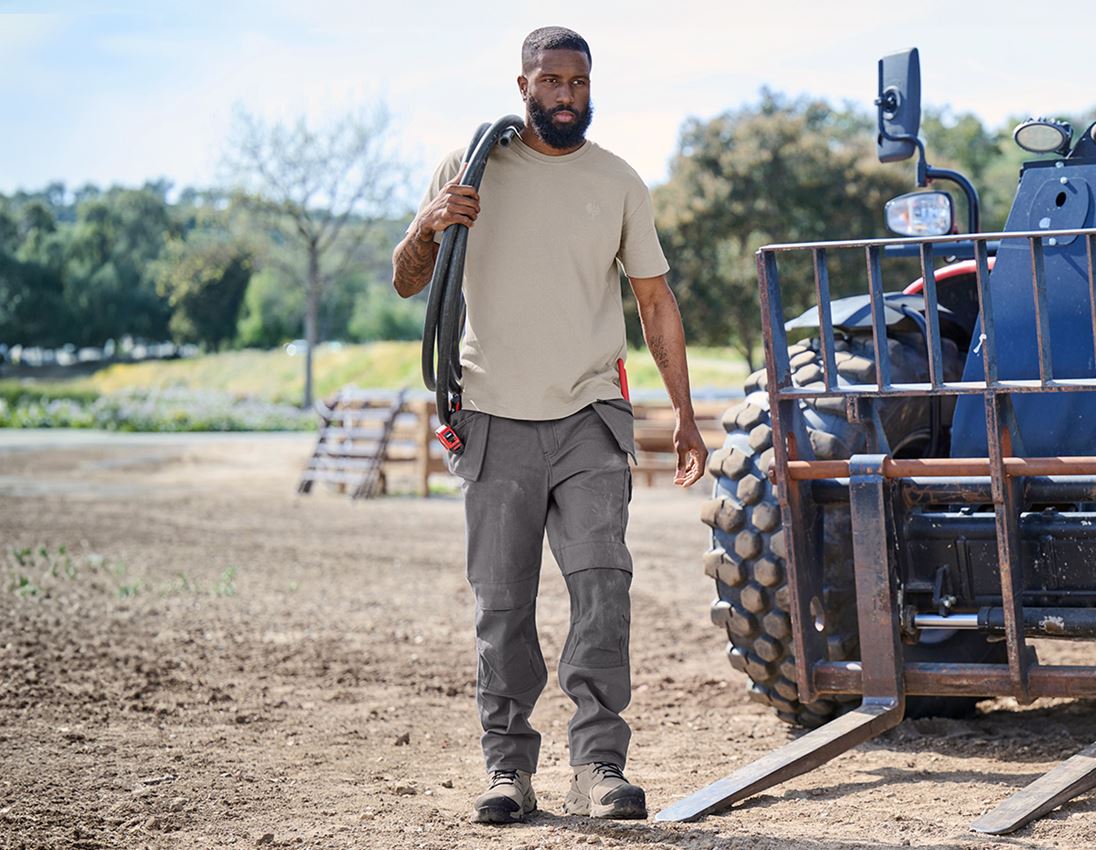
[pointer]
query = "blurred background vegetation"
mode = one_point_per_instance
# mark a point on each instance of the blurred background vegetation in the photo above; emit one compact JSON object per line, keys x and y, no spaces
{"x":296,"y":242}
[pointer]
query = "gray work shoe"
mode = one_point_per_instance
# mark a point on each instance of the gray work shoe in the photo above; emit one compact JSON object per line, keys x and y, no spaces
{"x":508,"y":799}
{"x":601,"y":791}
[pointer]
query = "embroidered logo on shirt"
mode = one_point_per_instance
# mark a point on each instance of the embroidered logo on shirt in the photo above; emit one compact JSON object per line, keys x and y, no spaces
{"x":592,"y":209}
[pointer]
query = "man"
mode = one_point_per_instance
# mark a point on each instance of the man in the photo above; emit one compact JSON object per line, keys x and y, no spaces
{"x":545,"y":424}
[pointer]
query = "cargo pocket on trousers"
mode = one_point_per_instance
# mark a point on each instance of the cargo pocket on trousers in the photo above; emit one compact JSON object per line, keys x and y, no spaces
{"x":619,"y":419}
{"x":472,"y":427}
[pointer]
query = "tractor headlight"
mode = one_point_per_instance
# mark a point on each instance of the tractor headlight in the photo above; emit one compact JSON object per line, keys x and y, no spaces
{"x":921,"y":214}
{"x":1043,"y":135}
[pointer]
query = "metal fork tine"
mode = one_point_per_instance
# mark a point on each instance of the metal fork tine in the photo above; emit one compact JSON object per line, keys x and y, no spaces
{"x":1074,"y":776}
{"x":813,"y":749}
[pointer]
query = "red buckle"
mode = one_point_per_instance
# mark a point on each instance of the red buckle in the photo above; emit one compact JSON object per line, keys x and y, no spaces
{"x":449,"y":439}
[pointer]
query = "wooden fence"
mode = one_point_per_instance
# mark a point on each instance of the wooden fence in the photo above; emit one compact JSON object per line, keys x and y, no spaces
{"x":357,"y":421}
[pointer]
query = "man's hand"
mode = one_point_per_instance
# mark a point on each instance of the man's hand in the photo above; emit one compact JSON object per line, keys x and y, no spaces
{"x":691,"y":452}
{"x":413,"y":260}
{"x":454,"y":204}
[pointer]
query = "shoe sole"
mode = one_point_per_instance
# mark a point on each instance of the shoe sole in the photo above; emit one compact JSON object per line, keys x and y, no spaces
{"x":496,"y":814}
{"x":628,"y":808}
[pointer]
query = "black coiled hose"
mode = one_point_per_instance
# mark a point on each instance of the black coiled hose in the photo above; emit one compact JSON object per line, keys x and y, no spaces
{"x":445,"y":309}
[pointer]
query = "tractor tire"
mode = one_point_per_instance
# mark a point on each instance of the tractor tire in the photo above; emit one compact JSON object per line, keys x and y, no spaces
{"x":747,"y":558}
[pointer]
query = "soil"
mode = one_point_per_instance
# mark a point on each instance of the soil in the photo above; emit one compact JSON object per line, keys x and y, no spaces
{"x":193,"y":656}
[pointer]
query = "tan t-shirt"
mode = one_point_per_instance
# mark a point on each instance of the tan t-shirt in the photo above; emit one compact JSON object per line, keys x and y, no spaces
{"x":545,"y":322}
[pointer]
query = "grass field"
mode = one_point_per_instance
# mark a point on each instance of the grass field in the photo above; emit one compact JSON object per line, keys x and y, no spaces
{"x":277,"y":377}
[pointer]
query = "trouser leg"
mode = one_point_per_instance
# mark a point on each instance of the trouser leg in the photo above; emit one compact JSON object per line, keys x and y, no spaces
{"x":587,"y":517}
{"x":593,"y":669}
{"x":505,"y":514}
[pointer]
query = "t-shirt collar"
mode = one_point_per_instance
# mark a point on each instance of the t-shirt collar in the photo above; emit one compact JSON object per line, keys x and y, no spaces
{"x":527,"y":152}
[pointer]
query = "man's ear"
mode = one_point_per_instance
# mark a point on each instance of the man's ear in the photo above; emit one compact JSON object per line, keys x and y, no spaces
{"x":523,"y":85}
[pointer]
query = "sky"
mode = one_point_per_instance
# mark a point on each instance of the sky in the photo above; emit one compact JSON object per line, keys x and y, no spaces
{"x":123,"y":92}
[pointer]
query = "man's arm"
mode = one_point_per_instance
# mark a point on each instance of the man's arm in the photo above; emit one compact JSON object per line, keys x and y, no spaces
{"x":413,"y":259}
{"x":666,"y":341}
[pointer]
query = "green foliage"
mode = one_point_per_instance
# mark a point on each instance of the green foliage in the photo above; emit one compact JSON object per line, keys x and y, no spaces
{"x":109,"y":284}
{"x":274,"y":377}
{"x":989,"y":158}
{"x":382,"y":314}
{"x":204,"y":279}
{"x":42,"y":573}
{"x":777,"y":171}
{"x":157,"y":410}
{"x":15,"y":392}
{"x":226,"y":582}
{"x":32,"y":309}
{"x":228,"y":269}
{"x":272,"y":311}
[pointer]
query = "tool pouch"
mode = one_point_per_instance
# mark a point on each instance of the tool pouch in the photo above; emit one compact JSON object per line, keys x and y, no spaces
{"x":471,"y":427}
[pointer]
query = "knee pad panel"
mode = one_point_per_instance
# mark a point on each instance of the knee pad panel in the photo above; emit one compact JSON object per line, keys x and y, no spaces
{"x":600,"y":618}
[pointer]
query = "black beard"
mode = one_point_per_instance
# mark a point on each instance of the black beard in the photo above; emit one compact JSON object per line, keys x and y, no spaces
{"x":555,"y":135}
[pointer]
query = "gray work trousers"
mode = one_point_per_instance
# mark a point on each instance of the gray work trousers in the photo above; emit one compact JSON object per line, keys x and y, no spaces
{"x":570,"y":477}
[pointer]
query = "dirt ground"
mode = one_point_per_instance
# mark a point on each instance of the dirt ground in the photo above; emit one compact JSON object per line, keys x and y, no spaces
{"x":193,"y":656}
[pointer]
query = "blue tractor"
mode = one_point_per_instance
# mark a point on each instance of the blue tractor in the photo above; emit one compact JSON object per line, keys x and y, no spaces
{"x":908,"y":493}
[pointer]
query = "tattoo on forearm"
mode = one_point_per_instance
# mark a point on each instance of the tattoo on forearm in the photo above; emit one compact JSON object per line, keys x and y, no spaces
{"x":415,"y":263}
{"x":659,"y":352}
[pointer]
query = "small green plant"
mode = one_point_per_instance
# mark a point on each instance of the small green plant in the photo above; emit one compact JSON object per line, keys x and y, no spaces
{"x":40,"y":571}
{"x":23,"y":585}
{"x":43,"y":572}
{"x":183,"y":584}
{"x":226,"y":583}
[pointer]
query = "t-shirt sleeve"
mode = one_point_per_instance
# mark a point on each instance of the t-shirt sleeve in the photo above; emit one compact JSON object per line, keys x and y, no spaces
{"x":445,"y":172}
{"x":640,"y":252}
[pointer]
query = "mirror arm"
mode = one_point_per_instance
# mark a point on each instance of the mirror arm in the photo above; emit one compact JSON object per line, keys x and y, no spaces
{"x":883,"y":105}
{"x":926,"y":174}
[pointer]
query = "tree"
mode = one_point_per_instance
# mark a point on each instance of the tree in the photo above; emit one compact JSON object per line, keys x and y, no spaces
{"x":318,"y":190}
{"x":110,"y":252}
{"x":778,"y":171}
{"x":203,"y":277}
{"x":31,"y":307}
{"x":272,"y":310}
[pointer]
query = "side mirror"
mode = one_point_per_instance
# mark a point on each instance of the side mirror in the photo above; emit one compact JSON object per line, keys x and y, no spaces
{"x":899,"y":105}
{"x":921,"y":214}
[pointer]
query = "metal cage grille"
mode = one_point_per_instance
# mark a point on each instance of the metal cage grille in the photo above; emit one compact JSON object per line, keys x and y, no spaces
{"x":1004,"y":465}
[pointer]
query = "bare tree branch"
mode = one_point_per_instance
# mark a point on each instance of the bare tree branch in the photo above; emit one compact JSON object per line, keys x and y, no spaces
{"x":328,"y":183}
